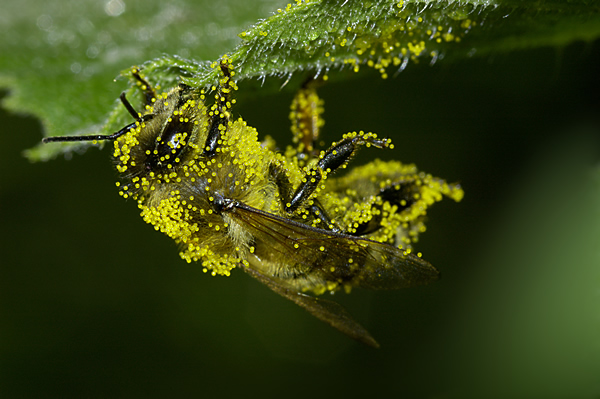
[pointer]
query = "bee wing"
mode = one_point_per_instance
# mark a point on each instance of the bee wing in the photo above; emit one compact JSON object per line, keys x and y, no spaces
{"x":336,"y":257}
{"x":330,"y":312}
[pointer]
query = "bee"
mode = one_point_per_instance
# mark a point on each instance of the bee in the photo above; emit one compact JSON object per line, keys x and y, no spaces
{"x":231,"y":201}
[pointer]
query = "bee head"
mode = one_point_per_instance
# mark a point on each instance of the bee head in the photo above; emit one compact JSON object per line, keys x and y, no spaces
{"x":175,"y":129}
{"x":165,"y":137}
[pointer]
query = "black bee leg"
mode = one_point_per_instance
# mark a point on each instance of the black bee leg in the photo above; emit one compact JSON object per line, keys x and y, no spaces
{"x":286,"y":190}
{"x":305,"y":115}
{"x":146,"y":87}
{"x":318,"y":211}
{"x":401,"y":194}
{"x":335,"y":157}
{"x":220,"y":111}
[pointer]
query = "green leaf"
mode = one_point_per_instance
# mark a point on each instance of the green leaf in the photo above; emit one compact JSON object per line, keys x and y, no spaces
{"x":59,"y":61}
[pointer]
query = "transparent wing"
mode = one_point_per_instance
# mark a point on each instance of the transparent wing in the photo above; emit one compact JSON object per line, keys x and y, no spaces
{"x":297,"y":248}
{"x":330,"y":312}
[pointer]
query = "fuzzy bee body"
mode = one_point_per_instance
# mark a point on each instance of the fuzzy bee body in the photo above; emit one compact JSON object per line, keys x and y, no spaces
{"x":231,"y":201}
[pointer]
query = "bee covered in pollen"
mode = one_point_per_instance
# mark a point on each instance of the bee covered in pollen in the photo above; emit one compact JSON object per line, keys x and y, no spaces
{"x":231,"y":201}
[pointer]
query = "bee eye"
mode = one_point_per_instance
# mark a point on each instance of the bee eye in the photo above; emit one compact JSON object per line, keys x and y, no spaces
{"x":172,"y":142}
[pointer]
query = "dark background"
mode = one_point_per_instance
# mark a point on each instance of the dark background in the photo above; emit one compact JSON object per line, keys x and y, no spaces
{"x":95,"y":303}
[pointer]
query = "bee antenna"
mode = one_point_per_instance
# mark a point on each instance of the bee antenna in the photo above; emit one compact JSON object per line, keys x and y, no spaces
{"x":113,"y":136}
{"x":129,"y":107}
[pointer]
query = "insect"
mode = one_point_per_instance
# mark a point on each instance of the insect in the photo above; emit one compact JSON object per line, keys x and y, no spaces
{"x":231,"y":201}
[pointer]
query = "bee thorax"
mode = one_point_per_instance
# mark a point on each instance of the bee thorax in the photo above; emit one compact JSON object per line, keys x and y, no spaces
{"x":222,"y":204}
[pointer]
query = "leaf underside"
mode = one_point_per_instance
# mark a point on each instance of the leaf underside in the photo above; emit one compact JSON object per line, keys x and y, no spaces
{"x":59,"y":62}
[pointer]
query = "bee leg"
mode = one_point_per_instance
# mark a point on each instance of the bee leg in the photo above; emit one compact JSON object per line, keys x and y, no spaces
{"x":305,"y":116}
{"x":146,"y":87}
{"x":335,"y":157}
{"x":220,"y":111}
{"x":317,"y":210}
{"x":400,"y":194}
{"x":286,"y":190}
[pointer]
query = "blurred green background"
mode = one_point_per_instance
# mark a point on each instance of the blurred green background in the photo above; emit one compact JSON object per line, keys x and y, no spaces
{"x":94,"y":303}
